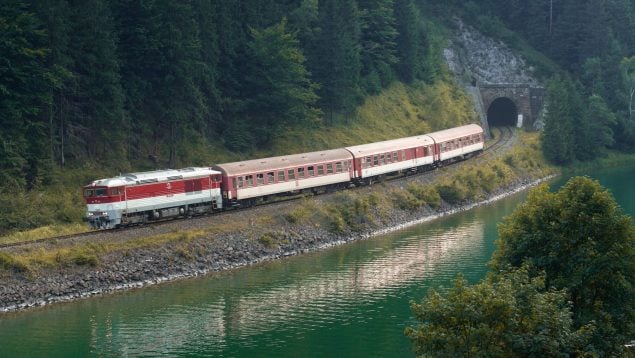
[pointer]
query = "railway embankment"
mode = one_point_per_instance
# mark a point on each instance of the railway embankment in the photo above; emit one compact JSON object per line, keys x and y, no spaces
{"x":113,"y":261}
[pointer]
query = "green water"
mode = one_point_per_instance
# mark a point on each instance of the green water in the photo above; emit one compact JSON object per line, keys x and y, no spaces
{"x":347,"y":301}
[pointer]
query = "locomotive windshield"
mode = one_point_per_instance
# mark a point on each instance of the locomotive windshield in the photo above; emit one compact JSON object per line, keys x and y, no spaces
{"x":94,"y":192}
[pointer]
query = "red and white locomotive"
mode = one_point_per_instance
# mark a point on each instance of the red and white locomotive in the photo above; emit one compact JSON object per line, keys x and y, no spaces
{"x":140,"y":197}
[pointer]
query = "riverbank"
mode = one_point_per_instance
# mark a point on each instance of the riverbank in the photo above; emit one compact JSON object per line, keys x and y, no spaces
{"x":192,"y":257}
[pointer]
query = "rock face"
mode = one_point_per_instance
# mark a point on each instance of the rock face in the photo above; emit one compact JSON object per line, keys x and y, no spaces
{"x":475,"y":58}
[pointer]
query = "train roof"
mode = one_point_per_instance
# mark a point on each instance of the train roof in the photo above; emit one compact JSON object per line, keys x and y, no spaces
{"x":154,"y":176}
{"x":284,"y":161}
{"x":453,"y":133}
{"x":390,"y":145}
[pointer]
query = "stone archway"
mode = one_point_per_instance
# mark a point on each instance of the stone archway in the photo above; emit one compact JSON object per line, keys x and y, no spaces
{"x":503,"y":112}
{"x":526,"y":99}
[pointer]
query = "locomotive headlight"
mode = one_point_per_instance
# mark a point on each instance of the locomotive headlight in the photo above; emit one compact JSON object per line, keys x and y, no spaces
{"x":103,"y":213}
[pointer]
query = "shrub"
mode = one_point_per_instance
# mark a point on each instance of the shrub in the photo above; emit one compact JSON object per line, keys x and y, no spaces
{"x":268,"y":240}
{"x":452,"y":193}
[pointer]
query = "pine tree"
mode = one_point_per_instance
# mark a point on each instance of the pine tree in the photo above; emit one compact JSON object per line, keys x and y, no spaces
{"x":96,"y":124}
{"x":24,"y":90}
{"x":378,"y":43}
{"x":277,"y":87}
{"x":337,"y":56}
{"x":558,"y":142}
{"x":409,"y":41}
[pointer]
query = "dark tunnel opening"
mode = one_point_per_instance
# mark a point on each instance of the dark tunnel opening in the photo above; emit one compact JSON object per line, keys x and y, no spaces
{"x":502,"y":113}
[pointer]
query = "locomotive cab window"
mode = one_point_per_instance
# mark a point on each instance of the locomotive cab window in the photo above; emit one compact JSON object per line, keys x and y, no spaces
{"x":100,"y":192}
{"x":88,"y":192}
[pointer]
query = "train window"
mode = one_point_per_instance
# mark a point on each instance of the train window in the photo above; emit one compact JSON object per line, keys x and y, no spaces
{"x":280,"y":175}
{"x":338,"y":167}
{"x":382,"y":159}
{"x":291,"y":174}
{"x":363,"y":162}
{"x":270,"y":178}
{"x":100,"y":192}
{"x":403,"y":154}
{"x":329,"y":168}
{"x":369,"y":161}
{"x":250,"y":180}
{"x":260,"y":178}
{"x":240,"y":182}
{"x":376,"y":159}
{"x":114,"y":191}
{"x":320,"y":170}
{"x":300,"y":173}
{"x":88,"y":192}
{"x":311,"y":171}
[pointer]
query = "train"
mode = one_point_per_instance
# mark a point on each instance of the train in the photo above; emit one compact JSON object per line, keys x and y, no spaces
{"x":137,"y":198}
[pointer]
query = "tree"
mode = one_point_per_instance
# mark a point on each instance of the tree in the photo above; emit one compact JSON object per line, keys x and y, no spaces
{"x":95,"y":95}
{"x":337,"y":56}
{"x":378,"y":43}
{"x":558,"y":141}
{"x":584,"y":243}
{"x":503,"y":316}
{"x":409,"y":41}
{"x":24,"y":89}
{"x":278,"y":90}
{"x":595,"y":129}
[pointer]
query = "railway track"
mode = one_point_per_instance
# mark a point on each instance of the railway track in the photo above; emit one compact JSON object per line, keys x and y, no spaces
{"x":503,"y":140}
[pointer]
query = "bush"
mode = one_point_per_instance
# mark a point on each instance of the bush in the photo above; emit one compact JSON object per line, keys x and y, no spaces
{"x":406,"y":200}
{"x":425,"y":193}
{"x":452,"y":193}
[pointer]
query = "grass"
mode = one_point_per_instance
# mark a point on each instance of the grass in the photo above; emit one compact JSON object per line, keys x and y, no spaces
{"x":44,"y":232}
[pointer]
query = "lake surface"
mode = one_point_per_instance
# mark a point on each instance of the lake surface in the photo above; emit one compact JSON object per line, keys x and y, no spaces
{"x":347,"y":301}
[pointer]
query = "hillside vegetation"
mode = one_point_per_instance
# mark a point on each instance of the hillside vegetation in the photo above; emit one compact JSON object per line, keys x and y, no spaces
{"x":93,"y":89}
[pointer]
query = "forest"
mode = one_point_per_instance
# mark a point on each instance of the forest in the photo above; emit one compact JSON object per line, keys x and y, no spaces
{"x":135,"y":84}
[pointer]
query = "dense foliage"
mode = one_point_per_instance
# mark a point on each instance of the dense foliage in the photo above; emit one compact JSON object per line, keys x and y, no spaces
{"x":503,"y":316}
{"x":584,"y":243}
{"x":121,"y":81}
{"x":575,"y":242}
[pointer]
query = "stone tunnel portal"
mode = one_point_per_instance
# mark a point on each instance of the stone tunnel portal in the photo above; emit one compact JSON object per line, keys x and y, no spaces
{"x":502,"y":113}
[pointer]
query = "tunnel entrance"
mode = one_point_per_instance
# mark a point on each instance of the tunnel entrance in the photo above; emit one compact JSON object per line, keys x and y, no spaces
{"x":502,"y":113}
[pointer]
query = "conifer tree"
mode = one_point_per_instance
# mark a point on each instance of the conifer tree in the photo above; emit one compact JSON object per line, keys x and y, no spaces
{"x":558,"y":142}
{"x":409,"y":41}
{"x":278,"y":90}
{"x":24,"y":89}
{"x":96,"y":123}
{"x":337,"y":56}
{"x":378,"y":43}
